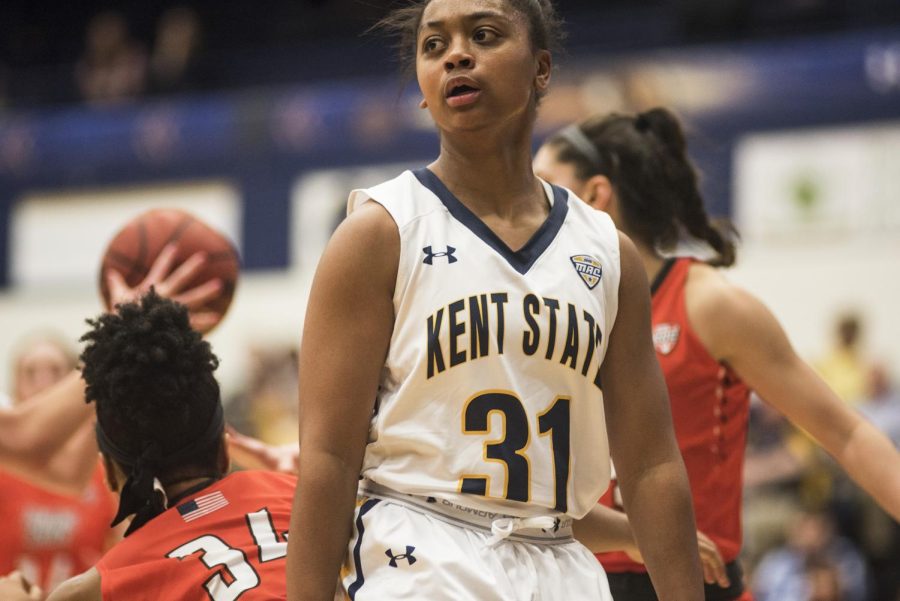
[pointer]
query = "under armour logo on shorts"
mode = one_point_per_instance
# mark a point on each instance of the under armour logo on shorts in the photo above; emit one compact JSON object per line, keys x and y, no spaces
{"x":430,"y":256}
{"x":408,"y":556}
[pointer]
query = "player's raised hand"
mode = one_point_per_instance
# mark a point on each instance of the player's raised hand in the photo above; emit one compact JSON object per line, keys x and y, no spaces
{"x":253,"y":453}
{"x":170,"y":281}
{"x":710,"y":558}
{"x":14,"y":587}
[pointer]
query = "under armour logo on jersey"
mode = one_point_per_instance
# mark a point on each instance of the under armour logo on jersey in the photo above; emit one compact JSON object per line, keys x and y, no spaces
{"x":430,"y":256}
{"x":665,"y":337}
{"x":588,"y":268}
{"x":408,"y":556}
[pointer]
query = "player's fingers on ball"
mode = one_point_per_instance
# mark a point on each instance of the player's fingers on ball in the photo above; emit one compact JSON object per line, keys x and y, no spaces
{"x":118,"y":287}
{"x":204,"y":321}
{"x":200,"y":295}
{"x":161,"y":266}
{"x":35,"y":593}
{"x":182,"y":274}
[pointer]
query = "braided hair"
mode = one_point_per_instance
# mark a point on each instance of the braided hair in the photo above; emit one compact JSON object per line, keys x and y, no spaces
{"x":151,"y":378}
{"x":645,"y":158}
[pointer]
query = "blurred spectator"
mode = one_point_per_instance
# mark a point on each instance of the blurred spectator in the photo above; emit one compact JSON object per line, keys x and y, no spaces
{"x":267,"y":409}
{"x":174,"y":61}
{"x":114,"y":66}
{"x":823,"y":580}
{"x":844,"y":368}
{"x":773,"y":472}
{"x":783,"y":573}
{"x":882,"y":403}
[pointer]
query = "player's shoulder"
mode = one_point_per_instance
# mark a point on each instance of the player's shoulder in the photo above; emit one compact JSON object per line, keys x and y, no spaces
{"x":405,"y":198}
{"x":84,"y":587}
{"x":710,"y":293}
{"x":721,"y":312}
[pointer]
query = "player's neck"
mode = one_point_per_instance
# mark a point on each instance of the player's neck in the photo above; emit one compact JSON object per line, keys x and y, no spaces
{"x":495,"y":181}
{"x":177,"y":490}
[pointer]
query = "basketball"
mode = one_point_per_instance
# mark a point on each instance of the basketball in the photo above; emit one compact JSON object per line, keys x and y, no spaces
{"x":134,"y":248}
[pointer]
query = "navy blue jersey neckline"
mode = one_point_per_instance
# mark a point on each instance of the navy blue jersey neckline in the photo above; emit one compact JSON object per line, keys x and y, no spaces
{"x":520,"y":260}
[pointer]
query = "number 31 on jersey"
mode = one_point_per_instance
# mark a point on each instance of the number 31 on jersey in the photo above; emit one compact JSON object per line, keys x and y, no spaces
{"x":510,"y":449}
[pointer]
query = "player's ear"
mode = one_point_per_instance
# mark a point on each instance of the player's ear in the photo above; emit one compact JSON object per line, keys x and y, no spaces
{"x":598,"y":192}
{"x":544,"y":64}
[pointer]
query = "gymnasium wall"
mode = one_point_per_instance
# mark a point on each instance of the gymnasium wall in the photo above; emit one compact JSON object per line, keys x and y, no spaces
{"x":797,"y":140}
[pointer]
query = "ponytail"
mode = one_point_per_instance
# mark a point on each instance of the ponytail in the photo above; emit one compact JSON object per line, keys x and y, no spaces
{"x":718,"y":233}
{"x":645,"y":158}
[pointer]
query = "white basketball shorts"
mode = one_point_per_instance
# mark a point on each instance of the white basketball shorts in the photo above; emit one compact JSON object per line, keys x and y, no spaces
{"x":407,"y":547}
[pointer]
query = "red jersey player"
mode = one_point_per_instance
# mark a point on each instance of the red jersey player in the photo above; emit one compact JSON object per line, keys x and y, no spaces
{"x":56,"y":514}
{"x":195,"y":533}
{"x":713,"y":340}
{"x":50,"y":535}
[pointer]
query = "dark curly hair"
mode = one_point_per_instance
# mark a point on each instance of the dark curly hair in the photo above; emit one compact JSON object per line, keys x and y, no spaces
{"x":151,"y":377}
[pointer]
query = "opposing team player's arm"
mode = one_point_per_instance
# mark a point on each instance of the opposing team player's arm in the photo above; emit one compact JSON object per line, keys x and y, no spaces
{"x":649,"y":467}
{"x":254,"y":454}
{"x":84,"y":587}
{"x":14,"y":587}
{"x":34,"y":430}
{"x":605,"y":529}
{"x":739,"y":330}
{"x":348,"y":326}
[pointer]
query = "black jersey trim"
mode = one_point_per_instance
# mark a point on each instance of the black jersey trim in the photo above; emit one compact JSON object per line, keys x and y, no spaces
{"x":357,"y":558}
{"x":661,"y":275}
{"x":520,"y":260}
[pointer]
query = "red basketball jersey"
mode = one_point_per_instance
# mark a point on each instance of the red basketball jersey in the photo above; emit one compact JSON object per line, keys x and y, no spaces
{"x":710,"y":410}
{"x":226,"y":541}
{"x":49,"y":536}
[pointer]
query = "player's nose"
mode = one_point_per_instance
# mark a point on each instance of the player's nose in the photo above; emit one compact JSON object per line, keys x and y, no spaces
{"x":458,"y":57}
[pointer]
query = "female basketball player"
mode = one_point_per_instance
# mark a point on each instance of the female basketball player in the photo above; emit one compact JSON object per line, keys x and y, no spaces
{"x":461,"y":326}
{"x":714,"y":341}
{"x":194,"y":531}
{"x":35,"y":430}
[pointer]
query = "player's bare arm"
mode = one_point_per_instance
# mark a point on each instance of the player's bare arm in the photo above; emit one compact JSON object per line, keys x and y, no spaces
{"x":34,"y":430}
{"x":14,"y":587}
{"x":648,"y":464}
{"x":347,"y":331}
{"x":741,"y":331}
{"x":84,"y":587}
{"x":605,"y":529}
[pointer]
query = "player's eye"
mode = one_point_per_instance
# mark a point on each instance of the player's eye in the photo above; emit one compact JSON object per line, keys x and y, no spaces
{"x":484,"y":34}
{"x":432,"y":44}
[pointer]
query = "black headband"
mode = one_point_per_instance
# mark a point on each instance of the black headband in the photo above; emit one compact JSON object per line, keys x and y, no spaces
{"x":142,"y":494}
{"x":574,"y":135}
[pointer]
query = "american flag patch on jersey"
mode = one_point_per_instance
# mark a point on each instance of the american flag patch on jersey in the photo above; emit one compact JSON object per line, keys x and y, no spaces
{"x":201,"y":506}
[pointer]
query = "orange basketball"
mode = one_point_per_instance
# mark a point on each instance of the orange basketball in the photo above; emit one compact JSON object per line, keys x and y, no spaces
{"x":134,"y":248}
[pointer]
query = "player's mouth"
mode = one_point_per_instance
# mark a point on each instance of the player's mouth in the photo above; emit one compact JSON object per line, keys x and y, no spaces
{"x":461,"y":91}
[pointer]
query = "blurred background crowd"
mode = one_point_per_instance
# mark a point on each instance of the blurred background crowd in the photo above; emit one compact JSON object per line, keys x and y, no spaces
{"x":260,"y":117}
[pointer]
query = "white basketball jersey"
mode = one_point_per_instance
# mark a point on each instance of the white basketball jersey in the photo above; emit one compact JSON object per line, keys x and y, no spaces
{"x":491,"y":393}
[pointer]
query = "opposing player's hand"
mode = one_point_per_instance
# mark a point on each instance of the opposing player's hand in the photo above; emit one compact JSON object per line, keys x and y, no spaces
{"x":170,"y":282}
{"x":710,"y":558}
{"x":253,"y":453}
{"x":14,"y":587}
